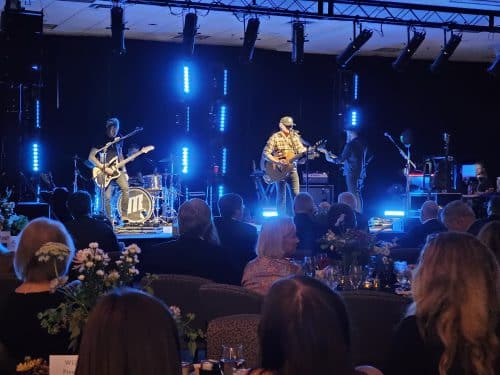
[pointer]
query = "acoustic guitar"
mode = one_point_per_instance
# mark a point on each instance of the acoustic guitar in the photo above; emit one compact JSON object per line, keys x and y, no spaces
{"x":279,"y":171}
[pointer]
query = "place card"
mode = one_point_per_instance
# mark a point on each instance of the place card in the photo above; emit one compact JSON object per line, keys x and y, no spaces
{"x":62,"y":364}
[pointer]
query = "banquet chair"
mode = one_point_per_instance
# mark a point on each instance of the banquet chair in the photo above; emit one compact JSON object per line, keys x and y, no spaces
{"x":373,"y":316}
{"x":234,"y":330}
{"x":224,"y":299}
{"x":181,"y":291}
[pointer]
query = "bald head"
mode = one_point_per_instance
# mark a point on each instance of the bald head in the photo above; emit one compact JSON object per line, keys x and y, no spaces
{"x":428,"y":211}
{"x":348,"y":198}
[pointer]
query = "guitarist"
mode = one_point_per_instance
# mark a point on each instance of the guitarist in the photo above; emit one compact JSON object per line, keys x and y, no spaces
{"x":112,"y":129}
{"x":280,"y":144}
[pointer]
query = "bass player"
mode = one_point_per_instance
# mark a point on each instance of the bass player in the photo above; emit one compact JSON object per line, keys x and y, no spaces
{"x":101,"y":160}
{"x":282,"y":149}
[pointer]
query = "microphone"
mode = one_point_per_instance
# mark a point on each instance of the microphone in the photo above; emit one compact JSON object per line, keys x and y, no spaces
{"x":139,"y":129}
{"x":386,"y":134}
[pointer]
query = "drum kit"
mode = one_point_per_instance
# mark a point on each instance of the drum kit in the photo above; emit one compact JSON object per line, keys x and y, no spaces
{"x":154,"y":202}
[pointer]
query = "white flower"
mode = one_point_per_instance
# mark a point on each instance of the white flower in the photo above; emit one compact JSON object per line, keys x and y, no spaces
{"x":176,"y":311}
{"x":100,"y":273}
{"x":81,"y":277}
{"x":113,"y":275}
{"x":129,"y":260}
{"x":98,"y":257}
{"x":93,"y":245}
{"x":89,"y":264}
{"x":119,"y":262}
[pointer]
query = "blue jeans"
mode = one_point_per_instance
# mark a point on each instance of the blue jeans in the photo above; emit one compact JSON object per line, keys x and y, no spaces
{"x":293,"y":179}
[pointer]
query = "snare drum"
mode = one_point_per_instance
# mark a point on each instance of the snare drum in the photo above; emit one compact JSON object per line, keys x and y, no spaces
{"x":140,"y":205}
{"x":153,"y":182}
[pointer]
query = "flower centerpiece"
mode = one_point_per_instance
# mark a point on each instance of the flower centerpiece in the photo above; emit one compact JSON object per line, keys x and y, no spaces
{"x":188,"y":334}
{"x":9,"y":220}
{"x":351,"y":247}
{"x":96,"y":276}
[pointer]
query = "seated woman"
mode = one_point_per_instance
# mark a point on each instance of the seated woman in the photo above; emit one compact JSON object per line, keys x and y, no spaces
{"x":277,"y":240}
{"x":129,"y":332}
{"x":450,"y":327}
{"x":20,"y":329}
{"x":304,"y":329}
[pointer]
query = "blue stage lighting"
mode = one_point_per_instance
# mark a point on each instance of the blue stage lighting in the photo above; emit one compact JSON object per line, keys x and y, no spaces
{"x":356,"y":83}
{"x":220,"y":191}
{"x":185,"y":160}
{"x":224,"y":161}
{"x":188,"y":119}
{"x":226,"y":77}
{"x":354,"y":119}
{"x":37,"y":114}
{"x":269,"y":212}
{"x":394,"y":213}
{"x":222,"y":118}
{"x":35,"y":161}
{"x":187,"y":86}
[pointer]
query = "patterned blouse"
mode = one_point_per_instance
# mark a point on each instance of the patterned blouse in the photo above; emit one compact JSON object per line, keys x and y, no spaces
{"x":262,"y":272}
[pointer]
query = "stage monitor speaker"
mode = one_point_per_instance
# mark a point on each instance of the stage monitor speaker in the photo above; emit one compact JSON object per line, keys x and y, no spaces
{"x":32,"y":210}
{"x":320,"y":192}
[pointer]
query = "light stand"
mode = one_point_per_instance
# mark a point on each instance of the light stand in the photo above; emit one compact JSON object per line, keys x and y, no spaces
{"x":409,"y":164}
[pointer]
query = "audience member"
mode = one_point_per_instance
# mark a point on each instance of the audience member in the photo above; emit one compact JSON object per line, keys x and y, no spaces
{"x":235,"y":235}
{"x":457,"y":216}
{"x":304,"y":329}
{"x":350,"y":199}
{"x":20,"y":329}
{"x":341,"y":218}
{"x":58,"y":203}
{"x":277,"y":241}
{"x":493,"y":212}
{"x":84,"y":228}
{"x":490,"y":236}
{"x":430,"y":223}
{"x":129,"y":332}
{"x":450,"y":327}
{"x":6,"y":261}
{"x":196,"y":252}
{"x":308,"y":229}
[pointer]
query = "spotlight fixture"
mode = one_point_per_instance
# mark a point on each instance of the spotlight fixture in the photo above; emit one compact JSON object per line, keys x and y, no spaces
{"x":249,"y":40}
{"x":117,"y":29}
{"x":494,"y":68}
{"x":404,"y":57}
{"x":346,"y":56}
{"x":189,"y":32}
{"x":298,"y":40}
{"x":446,"y":52}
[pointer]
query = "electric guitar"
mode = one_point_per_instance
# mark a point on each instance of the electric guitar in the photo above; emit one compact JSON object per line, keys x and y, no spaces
{"x":329,"y":156}
{"x":278,"y":171}
{"x":102,"y":179}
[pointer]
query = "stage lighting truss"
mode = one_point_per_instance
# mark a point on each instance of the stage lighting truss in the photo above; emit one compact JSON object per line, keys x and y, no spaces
{"x":353,"y":47}
{"x":379,"y":12}
{"x":444,"y":55}
{"x":408,"y":51}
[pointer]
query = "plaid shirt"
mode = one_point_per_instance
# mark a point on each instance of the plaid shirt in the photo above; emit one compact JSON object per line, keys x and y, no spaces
{"x":281,"y":143}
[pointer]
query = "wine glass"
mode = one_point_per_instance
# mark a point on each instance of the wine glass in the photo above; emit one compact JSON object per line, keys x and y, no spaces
{"x":308,"y":267}
{"x":232,"y":358}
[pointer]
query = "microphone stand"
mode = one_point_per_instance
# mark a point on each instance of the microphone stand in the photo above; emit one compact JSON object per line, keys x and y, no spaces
{"x":409,"y":164}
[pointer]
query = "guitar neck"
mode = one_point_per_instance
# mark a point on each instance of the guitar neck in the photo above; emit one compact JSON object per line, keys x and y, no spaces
{"x":129,"y":159}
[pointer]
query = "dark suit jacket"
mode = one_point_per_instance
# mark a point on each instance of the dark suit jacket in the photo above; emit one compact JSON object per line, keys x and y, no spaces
{"x":417,"y":236}
{"x":85,"y":230}
{"x":238,"y":238}
{"x":476,"y":227}
{"x":309,"y":232}
{"x":190,"y":256}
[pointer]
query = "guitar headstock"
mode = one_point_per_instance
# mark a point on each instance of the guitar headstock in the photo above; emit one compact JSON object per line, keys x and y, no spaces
{"x":147,"y":149}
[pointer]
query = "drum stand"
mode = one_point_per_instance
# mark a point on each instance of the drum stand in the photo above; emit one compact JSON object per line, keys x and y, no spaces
{"x":157,"y":219}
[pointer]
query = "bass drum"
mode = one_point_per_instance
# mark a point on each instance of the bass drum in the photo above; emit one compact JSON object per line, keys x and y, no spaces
{"x":140,"y":205}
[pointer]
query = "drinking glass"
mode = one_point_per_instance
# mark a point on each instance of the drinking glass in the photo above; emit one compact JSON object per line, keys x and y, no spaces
{"x":308,"y":267}
{"x":356,"y":276}
{"x":232,"y":358}
{"x":402,"y":274}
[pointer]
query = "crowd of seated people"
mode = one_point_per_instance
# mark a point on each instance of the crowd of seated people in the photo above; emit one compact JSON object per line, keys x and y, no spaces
{"x":309,"y":229}
{"x":350,"y":199}
{"x":457,"y":216}
{"x":277,"y":241}
{"x":20,"y":329}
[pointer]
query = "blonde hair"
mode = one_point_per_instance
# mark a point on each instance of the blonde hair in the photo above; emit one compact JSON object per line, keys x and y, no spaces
{"x":270,"y":242}
{"x":37,"y":233}
{"x":455,"y":292}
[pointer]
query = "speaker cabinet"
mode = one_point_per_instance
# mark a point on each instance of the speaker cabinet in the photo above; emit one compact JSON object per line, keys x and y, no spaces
{"x":320,"y":192}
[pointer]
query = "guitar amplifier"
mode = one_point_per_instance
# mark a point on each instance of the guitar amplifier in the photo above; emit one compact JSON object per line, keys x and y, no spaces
{"x":319,"y":193}
{"x":315,"y":178}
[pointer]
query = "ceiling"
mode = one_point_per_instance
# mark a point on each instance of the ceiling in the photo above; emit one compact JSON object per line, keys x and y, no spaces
{"x":151,"y":22}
